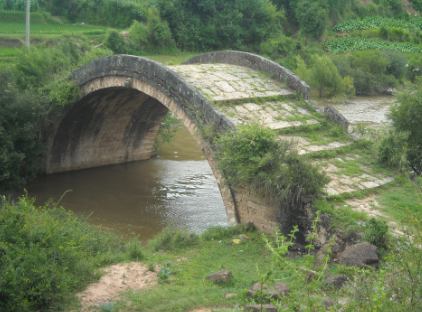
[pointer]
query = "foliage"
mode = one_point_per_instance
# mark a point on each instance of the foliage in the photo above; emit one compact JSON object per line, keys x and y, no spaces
{"x":218,"y":24}
{"x":349,"y":44}
{"x":312,"y":18}
{"x":391,"y":150}
{"x":371,"y":70}
{"x":406,"y":116}
{"x":396,"y":286}
{"x":47,"y":254}
{"x":172,"y":238}
{"x":376,"y":233}
{"x":116,"y":42}
{"x":412,"y":24}
{"x":273,"y":167}
{"x":220,"y":232}
{"x":153,"y":36}
{"x":168,"y":129}
{"x":165,"y":272}
{"x":324,"y":77}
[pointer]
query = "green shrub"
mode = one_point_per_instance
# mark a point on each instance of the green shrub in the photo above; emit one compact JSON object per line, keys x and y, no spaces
{"x":47,"y":254}
{"x":172,"y":238}
{"x":253,"y":155}
{"x":220,"y":232}
{"x":406,"y":116}
{"x":116,"y":42}
{"x":391,"y":150}
{"x":376,"y":233}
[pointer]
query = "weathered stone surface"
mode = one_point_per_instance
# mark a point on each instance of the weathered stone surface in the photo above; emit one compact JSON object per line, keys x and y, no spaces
{"x":360,"y":255}
{"x":257,"y":308}
{"x":309,"y":273}
{"x":333,"y":114}
{"x":328,"y":303}
{"x":255,"y":62}
{"x":337,"y":280}
{"x":219,"y":277}
{"x":276,"y":291}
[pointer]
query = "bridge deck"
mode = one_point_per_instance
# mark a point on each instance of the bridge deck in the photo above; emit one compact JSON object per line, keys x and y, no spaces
{"x":222,"y":82}
{"x":226,"y":84}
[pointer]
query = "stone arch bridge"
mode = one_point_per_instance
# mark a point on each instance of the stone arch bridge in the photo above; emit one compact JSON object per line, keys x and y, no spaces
{"x":125,"y":98}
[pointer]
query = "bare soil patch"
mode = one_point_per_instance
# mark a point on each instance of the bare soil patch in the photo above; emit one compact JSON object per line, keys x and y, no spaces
{"x":119,"y":277}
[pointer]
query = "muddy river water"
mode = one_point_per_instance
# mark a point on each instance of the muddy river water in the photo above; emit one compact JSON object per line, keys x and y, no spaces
{"x":176,"y":187}
{"x":142,"y":197}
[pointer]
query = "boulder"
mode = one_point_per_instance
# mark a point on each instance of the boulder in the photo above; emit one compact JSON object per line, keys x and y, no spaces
{"x":257,"y":308}
{"x":277,"y":291}
{"x":360,"y":255}
{"x":337,"y":280}
{"x":328,"y":303}
{"x":220,"y":277}
{"x":309,"y":273}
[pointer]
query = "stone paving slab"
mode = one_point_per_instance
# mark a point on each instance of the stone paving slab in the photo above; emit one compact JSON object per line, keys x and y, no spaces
{"x":223,"y":82}
{"x":271,"y":114}
{"x":227,"y":83}
{"x":341,"y":183}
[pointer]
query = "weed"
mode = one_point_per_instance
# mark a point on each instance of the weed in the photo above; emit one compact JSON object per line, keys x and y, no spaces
{"x":172,"y":238}
{"x":376,"y":232}
{"x":165,"y":272}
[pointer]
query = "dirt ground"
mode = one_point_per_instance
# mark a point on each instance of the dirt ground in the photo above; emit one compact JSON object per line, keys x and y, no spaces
{"x":119,"y":277}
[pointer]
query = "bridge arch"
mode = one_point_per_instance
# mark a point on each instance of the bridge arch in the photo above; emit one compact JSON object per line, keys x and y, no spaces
{"x":124,"y":100}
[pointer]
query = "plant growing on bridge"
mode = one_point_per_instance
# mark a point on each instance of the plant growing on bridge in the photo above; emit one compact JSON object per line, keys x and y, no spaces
{"x":254,"y":155}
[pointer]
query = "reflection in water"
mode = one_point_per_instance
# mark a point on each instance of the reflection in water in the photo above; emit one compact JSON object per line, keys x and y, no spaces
{"x":367,"y":110}
{"x":142,"y":197}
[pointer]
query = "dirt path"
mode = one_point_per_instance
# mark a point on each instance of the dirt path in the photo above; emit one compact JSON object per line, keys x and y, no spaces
{"x":119,"y":277}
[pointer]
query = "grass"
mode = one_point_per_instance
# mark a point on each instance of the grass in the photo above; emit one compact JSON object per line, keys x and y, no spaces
{"x":50,"y":29}
{"x":188,"y":289}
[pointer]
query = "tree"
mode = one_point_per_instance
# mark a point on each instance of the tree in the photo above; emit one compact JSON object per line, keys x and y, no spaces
{"x":324,"y":76}
{"x":406,"y":116}
{"x":312,"y":18}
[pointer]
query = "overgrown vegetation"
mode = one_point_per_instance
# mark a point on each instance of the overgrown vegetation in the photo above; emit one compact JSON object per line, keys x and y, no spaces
{"x":253,"y":155}
{"x":47,"y":254}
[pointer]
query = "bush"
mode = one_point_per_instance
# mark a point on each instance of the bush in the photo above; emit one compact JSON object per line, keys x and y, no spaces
{"x":406,"y":116}
{"x":47,"y":254}
{"x":253,"y":155}
{"x":172,"y":238}
{"x":391,"y":150}
{"x":376,"y":233}
{"x":220,"y":232}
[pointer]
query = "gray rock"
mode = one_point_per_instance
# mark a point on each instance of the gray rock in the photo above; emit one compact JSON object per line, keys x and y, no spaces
{"x":257,"y":308}
{"x":222,"y":276}
{"x":277,"y":291}
{"x":360,"y":255}
{"x":328,"y":303}
{"x":309,"y":273}
{"x":337,"y":280}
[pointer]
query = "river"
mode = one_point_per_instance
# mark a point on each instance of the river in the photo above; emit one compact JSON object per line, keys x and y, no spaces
{"x":177,"y":186}
{"x":142,"y":197}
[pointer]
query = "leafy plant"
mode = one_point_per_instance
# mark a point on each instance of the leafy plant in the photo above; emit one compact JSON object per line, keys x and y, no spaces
{"x":273,"y":167}
{"x":165,"y":272}
{"x":376,"y":232}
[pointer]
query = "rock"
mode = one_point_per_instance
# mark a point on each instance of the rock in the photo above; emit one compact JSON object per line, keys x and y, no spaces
{"x":337,"y":280}
{"x":222,"y":276}
{"x":277,"y":291}
{"x":328,"y":303}
{"x":257,"y":308}
{"x":360,"y":255}
{"x":229,"y":295}
{"x":309,"y":273}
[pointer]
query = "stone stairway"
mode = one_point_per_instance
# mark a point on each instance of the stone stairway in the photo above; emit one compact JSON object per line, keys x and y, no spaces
{"x":248,"y":96}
